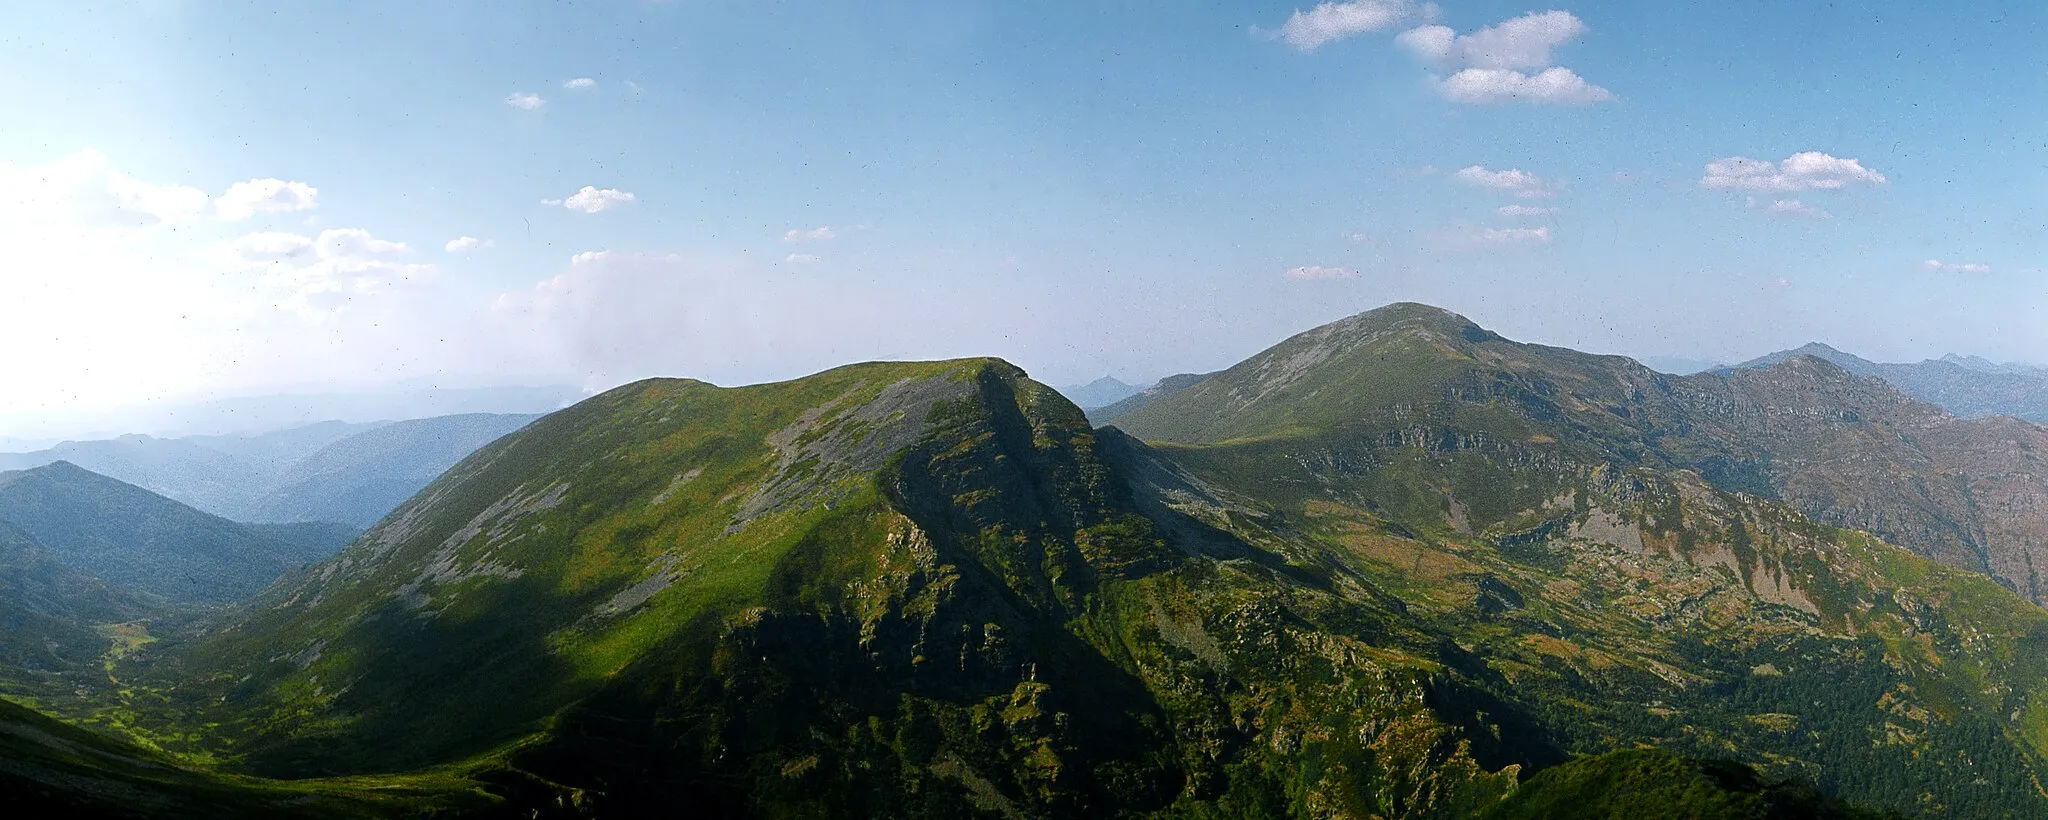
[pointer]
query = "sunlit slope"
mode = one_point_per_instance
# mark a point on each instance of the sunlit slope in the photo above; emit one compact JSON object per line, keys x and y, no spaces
{"x":1847,"y":450}
{"x":888,"y":589}
{"x":1575,"y":534}
{"x":930,"y":589}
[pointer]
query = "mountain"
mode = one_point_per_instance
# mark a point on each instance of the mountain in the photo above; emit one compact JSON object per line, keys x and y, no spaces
{"x":137,"y":540}
{"x":1398,"y":566}
{"x":219,"y":474}
{"x":1642,"y":783}
{"x":51,"y":615}
{"x":1164,"y":387}
{"x":1099,"y":393}
{"x":1847,"y":450}
{"x":1966,"y":386}
{"x":335,"y":472}
{"x":1982,"y":365}
{"x":52,"y":769}
{"x":1679,"y":365}
{"x":358,"y":479}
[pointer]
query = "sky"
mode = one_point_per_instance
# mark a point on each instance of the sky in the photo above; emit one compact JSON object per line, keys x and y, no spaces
{"x":207,"y":199}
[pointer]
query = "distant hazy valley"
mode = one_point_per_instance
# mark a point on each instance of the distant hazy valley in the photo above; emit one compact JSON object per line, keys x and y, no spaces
{"x":1394,"y":566}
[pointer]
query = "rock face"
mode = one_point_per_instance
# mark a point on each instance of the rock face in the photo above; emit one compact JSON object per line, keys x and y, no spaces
{"x":1850,"y":451}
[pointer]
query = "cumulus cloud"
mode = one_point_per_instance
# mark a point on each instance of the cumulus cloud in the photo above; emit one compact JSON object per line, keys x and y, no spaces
{"x":800,"y":259}
{"x":1507,"y":62}
{"x":1789,"y":208}
{"x":264,"y":196}
{"x":269,"y":247}
{"x":1524,"y":210}
{"x":465,"y":244}
{"x":320,"y":273}
{"x":1513,"y":181}
{"x":1556,"y":85}
{"x":591,"y":199}
{"x":1524,"y":42}
{"x":1502,"y":236}
{"x":85,"y":191}
{"x":1320,"y":272}
{"x":580,"y":82}
{"x":1330,"y":22}
{"x":524,"y":100}
{"x":1955,"y":267}
{"x":818,"y":234}
{"x":1804,"y":171}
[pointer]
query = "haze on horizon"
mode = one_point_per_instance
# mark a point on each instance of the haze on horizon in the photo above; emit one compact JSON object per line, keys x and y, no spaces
{"x":203,"y":200}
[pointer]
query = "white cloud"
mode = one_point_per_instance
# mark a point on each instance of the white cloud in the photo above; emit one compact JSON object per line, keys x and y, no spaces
{"x":465,"y":244}
{"x":1507,"y":62}
{"x":1555,"y":85}
{"x":85,"y":191}
{"x":1508,"y":235}
{"x":269,"y":247}
{"x":1330,"y":22}
{"x":1955,"y":267}
{"x":591,"y":199}
{"x":580,"y":82}
{"x":352,"y":243}
{"x":1320,"y":272}
{"x":818,"y":234}
{"x":1524,"y":42}
{"x":1804,"y":171}
{"x":525,"y":101}
{"x":1513,"y":180}
{"x":264,"y":196}
{"x":1790,"y":208}
{"x":1524,"y":210}
{"x":800,"y":259}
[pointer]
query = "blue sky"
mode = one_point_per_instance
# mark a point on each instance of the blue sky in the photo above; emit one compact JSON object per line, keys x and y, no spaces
{"x":1124,"y":188}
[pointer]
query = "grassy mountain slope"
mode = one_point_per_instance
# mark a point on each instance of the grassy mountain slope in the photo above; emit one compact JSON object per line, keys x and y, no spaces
{"x":50,"y":769}
{"x":1847,"y":450}
{"x":930,"y":589}
{"x":356,"y":480}
{"x":1641,"y":783}
{"x":134,"y":539}
{"x":51,"y":616}
{"x":899,"y":589}
{"x":1164,"y":387}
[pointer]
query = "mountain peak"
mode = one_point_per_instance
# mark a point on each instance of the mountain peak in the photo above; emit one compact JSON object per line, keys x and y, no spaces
{"x":1847,"y":361}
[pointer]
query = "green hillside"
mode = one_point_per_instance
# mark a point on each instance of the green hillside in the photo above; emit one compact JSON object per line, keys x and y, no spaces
{"x":926,"y":589}
{"x":136,"y":540}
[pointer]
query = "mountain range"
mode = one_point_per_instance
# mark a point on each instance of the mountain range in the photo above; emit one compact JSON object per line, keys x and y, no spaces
{"x":332,"y":471}
{"x":1396,"y":566}
{"x":136,"y":540}
{"x":1099,"y":393}
{"x":1967,"y":386}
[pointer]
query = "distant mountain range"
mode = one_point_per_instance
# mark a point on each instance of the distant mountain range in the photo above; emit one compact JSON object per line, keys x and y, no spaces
{"x":1966,"y":386}
{"x":1102,"y":391}
{"x":332,"y":471}
{"x":134,"y":539}
{"x":1159,"y":390}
